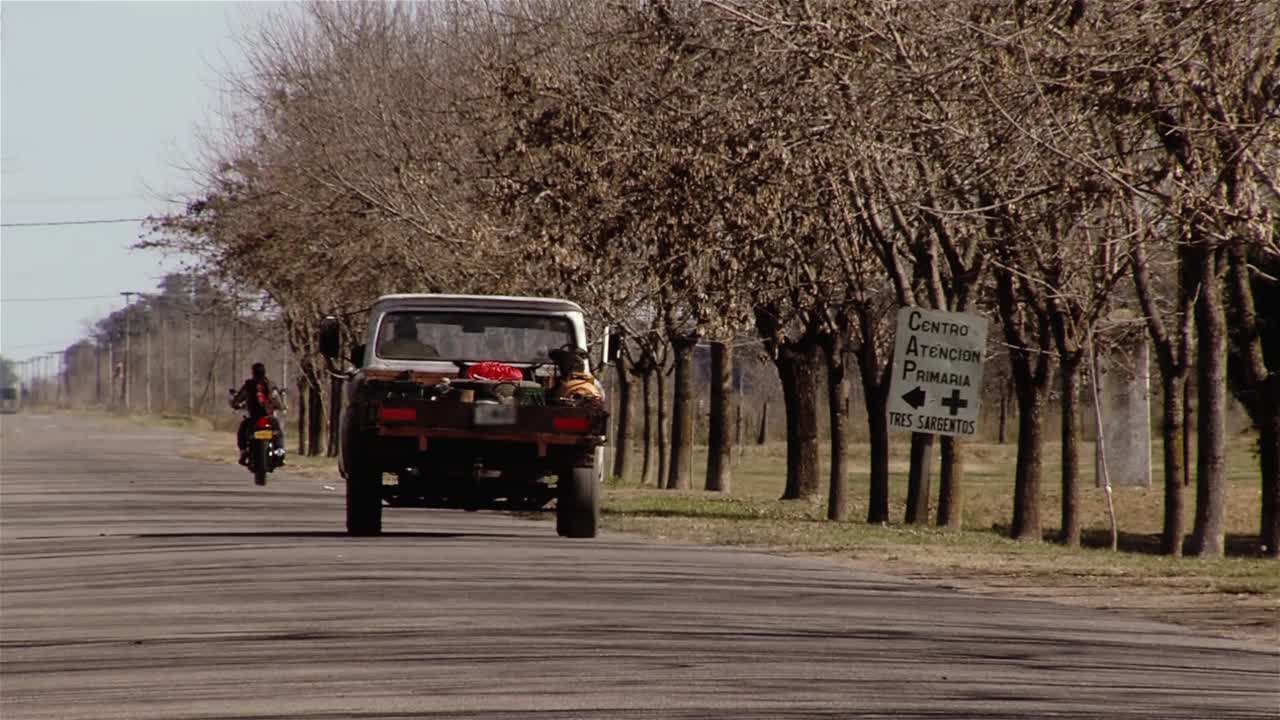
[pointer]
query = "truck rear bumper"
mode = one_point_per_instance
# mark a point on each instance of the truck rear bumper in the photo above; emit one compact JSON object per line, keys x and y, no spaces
{"x":542,"y":441}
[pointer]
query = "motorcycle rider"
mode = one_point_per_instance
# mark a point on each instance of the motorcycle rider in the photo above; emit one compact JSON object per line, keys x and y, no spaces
{"x":258,"y":396}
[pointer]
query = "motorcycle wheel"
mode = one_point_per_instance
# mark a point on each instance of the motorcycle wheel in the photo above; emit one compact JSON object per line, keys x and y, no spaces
{"x":259,"y":461}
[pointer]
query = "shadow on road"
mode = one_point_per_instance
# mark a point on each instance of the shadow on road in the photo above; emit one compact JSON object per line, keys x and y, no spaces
{"x":320,"y":534}
{"x":1237,"y":544}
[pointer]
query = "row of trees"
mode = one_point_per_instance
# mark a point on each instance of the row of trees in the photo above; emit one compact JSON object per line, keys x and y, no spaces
{"x":696,"y":171}
{"x":175,"y":350}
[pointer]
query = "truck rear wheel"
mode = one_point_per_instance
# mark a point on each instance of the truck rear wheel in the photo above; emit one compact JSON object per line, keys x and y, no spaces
{"x":577,"y":503}
{"x":364,"y":503}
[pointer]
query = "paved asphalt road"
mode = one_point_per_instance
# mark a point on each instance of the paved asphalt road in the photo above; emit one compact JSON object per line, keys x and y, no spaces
{"x":134,"y":584}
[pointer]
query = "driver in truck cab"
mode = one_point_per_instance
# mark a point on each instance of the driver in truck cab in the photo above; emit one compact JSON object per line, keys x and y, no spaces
{"x":403,"y":342}
{"x":257,"y":396}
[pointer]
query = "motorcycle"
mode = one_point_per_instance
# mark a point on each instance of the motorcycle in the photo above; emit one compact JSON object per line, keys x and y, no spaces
{"x":264,"y":450}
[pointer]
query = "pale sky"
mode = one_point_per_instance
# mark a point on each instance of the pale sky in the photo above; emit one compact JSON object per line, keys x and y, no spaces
{"x":101,"y":106}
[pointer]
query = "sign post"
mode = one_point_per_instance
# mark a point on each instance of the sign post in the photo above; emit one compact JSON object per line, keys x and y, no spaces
{"x":937,"y":372}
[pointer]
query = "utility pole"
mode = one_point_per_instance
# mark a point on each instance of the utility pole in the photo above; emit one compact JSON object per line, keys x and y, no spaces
{"x":111,"y":373}
{"x":97,"y":372}
{"x":191,"y":356}
{"x":235,"y":336}
{"x":128,"y":360}
{"x":164,"y":365}
{"x":147,"y":329}
{"x":55,"y":377}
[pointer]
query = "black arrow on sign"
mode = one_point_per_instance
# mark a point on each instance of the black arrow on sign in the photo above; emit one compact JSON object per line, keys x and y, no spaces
{"x":915,"y":398}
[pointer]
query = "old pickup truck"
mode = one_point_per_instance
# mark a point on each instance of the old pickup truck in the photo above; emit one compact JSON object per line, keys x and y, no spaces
{"x":471,"y":401}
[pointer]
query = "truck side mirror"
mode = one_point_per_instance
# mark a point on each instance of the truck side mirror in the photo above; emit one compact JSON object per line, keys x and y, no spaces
{"x":328,"y":338}
{"x":357,"y":355}
{"x":612,"y":347}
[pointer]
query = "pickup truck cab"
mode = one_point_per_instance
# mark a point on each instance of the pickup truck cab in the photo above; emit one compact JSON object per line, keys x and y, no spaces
{"x":471,"y":401}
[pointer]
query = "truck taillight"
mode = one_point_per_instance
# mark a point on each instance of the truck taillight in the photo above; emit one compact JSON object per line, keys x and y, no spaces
{"x":397,"y":414}
{"x":571,"y":424}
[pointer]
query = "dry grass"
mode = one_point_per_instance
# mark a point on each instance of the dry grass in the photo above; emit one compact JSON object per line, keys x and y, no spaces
{"x":988,"y":501}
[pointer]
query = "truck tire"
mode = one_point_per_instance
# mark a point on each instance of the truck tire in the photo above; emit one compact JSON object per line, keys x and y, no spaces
{"x":364,"y":503}
{"x":577,"y":503}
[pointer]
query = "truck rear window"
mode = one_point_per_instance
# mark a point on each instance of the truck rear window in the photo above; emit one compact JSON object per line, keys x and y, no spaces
{"x":471,"y":336}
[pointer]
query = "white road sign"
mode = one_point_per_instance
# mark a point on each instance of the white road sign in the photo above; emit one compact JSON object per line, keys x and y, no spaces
{"x":937,"y":372}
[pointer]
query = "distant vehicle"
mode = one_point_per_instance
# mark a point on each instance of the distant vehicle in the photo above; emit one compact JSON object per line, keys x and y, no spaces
{"x":10,"y":399}
{"x":472,"y":401}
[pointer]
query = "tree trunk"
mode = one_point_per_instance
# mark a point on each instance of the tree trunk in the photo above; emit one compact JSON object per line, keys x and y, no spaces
{"x":315,"y":414}
{"x":837,"y":395}
{"x":335,"y":415}
{"x":950,"y":489}
{"x":622,"y":423}
{"x":737,"y":431}
{"x":1269,"y":462}
{"x":762,"y":436}
{"x":719,"y":435}
{"x":1004,"y":415}
{"x":1026,"y":489}
{"x":1070,"y":371}
{"x":798,"y":370}
{"x":1209,"y":536}
{"x":918,"y":479}
{"x":646,"y":397}
{"x":661,"y":382}
{"x":1173,"y":434}
{"x":681,"y":413}
{"x":1173,"y":359}
{"x":1187,"y":424}
{"x":1259,"y":389}
{"x":302,"y":416}
{"x":875,"y":389}
{"x":1032,"y":368}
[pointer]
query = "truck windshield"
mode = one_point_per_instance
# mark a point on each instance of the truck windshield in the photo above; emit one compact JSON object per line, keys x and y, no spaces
{"x":471,"y":336}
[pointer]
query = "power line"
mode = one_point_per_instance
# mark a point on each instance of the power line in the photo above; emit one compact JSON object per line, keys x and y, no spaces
{"x":56,"y":343}
{"x":55,"y":299}
{"x":56,"y":223}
